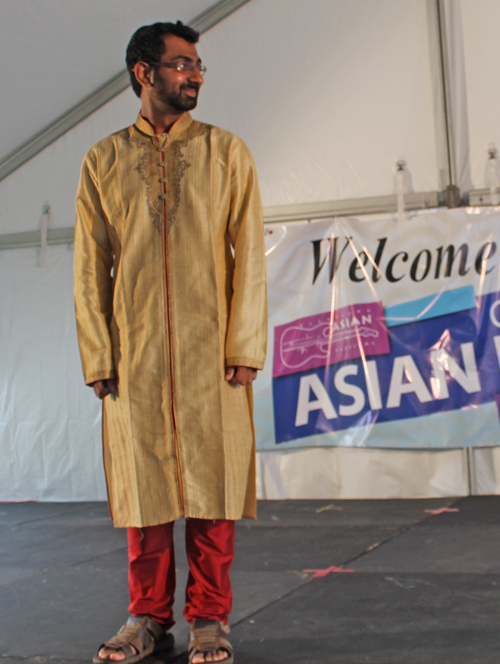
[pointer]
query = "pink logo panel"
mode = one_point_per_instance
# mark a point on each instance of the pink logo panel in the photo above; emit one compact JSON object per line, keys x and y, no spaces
{"x":316,"y":341}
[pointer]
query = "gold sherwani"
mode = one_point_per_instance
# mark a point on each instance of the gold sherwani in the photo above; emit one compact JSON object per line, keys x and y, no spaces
{"x":169,"y":289}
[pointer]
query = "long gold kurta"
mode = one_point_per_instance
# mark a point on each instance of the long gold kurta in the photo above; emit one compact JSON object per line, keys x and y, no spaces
{"x":169,"y":289}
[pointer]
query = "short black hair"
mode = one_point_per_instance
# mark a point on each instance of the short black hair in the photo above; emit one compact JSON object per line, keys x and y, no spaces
{"x":147,"y":45}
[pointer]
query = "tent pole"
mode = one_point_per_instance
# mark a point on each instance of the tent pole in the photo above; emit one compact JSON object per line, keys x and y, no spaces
{"x":452,"y":190}
{"x":471,"y":471}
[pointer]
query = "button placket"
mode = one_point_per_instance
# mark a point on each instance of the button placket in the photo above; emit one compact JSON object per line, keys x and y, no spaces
{"x":162,"y":165}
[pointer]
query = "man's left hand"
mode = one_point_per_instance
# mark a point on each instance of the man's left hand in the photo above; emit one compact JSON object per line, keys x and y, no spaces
{"x":241,"y":375}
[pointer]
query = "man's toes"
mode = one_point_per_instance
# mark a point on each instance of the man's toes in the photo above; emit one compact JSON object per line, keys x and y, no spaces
{"x":200,"y":658}
{"x":112,"y":655}
{"x":210,"y":656}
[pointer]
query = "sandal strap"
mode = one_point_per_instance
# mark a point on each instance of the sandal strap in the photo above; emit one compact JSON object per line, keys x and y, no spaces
{"x":136,"y":637}
{"x":206,"y":635}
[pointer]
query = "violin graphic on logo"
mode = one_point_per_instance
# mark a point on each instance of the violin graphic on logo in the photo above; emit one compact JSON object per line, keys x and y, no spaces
{"x":298,"y":345}
{"x":324,"y":339}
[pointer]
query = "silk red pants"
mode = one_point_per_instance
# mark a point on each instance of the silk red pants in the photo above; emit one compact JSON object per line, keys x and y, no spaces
{"x":210,"y":551}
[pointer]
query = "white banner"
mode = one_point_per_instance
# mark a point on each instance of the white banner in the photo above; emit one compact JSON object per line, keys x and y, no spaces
{"x":383,"y":333}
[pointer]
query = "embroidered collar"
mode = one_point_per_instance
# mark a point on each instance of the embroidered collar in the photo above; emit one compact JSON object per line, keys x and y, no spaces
{"x":145,"y":127}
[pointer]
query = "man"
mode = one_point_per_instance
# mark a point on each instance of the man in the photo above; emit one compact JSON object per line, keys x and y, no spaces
{"x":171,"y":314}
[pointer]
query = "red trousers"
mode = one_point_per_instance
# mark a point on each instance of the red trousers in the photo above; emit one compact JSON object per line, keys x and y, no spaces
{"x":210,"y":551}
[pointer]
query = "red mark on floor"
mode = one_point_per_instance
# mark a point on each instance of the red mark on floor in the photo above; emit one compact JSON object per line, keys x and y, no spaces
{"x":441,"y":510}
{"x":324,"y":572}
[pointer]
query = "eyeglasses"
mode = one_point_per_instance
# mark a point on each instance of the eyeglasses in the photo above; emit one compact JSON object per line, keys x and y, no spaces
{"x":183,"y":66}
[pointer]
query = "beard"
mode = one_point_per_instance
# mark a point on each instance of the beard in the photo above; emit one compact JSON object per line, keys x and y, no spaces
{"x":179,"y":100}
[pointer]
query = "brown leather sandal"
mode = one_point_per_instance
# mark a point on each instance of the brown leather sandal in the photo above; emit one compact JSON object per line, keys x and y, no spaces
{"x":208,"y":635}
{"x":138,"y":638}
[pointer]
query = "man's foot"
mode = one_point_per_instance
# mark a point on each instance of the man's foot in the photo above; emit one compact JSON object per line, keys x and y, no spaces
{"x":139,"y":637}
{"x":208,"y":642}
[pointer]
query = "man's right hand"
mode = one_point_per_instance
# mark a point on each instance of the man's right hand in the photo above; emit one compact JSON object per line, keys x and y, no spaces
{"x":104,"y":387}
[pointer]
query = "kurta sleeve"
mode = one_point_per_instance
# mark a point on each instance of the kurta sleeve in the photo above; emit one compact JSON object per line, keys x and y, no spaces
{"x":93,"y":285}
{"x":247,"y":329}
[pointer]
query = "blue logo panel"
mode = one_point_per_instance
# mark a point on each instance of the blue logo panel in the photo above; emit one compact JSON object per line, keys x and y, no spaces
{"x":431,"y":368}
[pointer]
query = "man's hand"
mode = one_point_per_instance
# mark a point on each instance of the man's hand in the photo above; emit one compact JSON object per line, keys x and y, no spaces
{"x":241,"y":375}
{"x":104,"y":387}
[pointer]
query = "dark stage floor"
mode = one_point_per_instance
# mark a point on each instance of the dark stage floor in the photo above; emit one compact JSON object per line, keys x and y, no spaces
{"x":424,"y":588}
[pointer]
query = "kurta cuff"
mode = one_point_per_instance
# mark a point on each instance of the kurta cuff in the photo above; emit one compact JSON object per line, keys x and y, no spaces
{"x":249,"y":362}
{"x":99,"y":375}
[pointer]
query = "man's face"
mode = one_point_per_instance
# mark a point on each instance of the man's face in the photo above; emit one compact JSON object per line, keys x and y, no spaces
{"x":179,"y":90}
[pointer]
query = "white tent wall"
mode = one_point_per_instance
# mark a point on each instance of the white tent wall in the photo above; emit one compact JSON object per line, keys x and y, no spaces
{"x":354,"y":473}
{"x":328,"y":95}
{"x":52,"y":175}
{"x":50,"y":423}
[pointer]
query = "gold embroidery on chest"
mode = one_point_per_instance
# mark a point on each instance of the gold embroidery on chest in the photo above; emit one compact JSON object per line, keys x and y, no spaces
{"x":144,"y":170}
{"x":177,"y":165}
